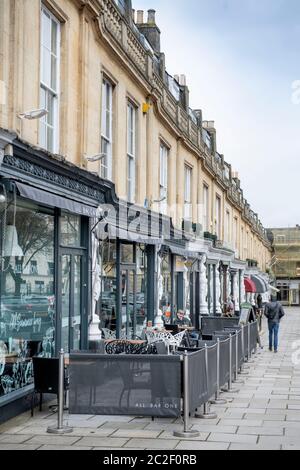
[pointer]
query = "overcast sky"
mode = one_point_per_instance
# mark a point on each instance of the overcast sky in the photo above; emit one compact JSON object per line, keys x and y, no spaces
{"x":241,"y":59}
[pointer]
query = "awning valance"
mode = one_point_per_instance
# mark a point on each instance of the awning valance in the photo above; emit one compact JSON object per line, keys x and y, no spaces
{"x":249,"y":286}
{"x":53,"y":200}
{"x":273,"y":289}
{"x":176,"y":250}
{"x":260,"y":284}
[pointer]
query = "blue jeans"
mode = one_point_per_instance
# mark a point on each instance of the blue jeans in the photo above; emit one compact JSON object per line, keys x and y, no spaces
{"x":273,"y":330}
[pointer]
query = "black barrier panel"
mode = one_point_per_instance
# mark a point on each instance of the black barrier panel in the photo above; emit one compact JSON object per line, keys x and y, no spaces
{"x":224,"y":362}
{"x":212,"y":379}
{"x":240,"y":350}
{"x":253,"y":335}
{"x":197,"y":380}
{"x":125,"y":385}
{"x":211,"y":324}
{"x":233,"y":355}
{"x":246,"y":341}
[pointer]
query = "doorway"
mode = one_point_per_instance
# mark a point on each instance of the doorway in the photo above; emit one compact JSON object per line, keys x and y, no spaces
{"x":72,"y":284}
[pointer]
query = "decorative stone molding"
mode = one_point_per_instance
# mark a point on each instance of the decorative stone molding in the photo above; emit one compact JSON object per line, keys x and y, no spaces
{"x":218,"y":290}
{"x":50,"y":176}
{"x":236,"y":294}
{"x":203,"y":287}
{"x":243,"y":290}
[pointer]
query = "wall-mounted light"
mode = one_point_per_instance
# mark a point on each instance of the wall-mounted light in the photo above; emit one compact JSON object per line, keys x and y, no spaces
{"x":95,"y":158}
{"x":146,"y":107}
{"x":158,"y":201}
{"x":33,"y":114}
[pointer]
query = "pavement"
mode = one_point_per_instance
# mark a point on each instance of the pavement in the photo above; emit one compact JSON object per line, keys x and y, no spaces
{"x":263,"y":415}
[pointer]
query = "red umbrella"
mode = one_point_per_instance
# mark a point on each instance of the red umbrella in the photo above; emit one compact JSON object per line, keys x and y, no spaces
{"x":249,"y":286}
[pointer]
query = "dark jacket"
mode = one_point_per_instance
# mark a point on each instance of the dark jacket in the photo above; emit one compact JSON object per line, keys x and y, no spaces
{"x":274,"y":312}
{"x":184,"y":322}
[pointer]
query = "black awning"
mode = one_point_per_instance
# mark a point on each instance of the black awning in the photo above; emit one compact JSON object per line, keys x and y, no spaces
{"x":176,"y":250}
{"x":136,"y":237}
{"x":53,"y":200}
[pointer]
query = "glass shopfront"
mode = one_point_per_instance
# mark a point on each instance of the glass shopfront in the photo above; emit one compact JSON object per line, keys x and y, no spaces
{"x":165,"y":301}
{"x":38,"y":244}
{"x":131,"y":315}
{"x":27,"y":296}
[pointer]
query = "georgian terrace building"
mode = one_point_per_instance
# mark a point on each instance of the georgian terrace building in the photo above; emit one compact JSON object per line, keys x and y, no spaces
{"x":115,"y":205}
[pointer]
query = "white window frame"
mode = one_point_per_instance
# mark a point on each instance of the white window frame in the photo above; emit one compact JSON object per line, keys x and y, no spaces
{"x":218,"y":216}
{"x":235,"y":233}
{"x":131,"y":150}
{"x":205,"y":208}
{"x":227,"y":226}
{"x":163,"y":177}
{"x":188,"y":175}
{"x":106,"y":134}
{"x":47,"y":89}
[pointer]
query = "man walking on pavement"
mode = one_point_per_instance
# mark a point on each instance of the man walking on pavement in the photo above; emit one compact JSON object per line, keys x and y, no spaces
{"x":274,"y":313}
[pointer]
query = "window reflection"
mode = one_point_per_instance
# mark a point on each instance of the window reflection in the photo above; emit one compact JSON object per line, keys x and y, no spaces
{"x":70,"y":230}
{"x":165,"y":302}
{"x":26,"y":293}
{"x":107,"y":301}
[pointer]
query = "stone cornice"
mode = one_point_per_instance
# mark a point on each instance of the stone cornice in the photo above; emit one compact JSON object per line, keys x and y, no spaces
{"x":118,"y":35}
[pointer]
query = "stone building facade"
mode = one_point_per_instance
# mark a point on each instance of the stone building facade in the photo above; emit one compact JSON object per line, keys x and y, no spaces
{"x":137,"y":213}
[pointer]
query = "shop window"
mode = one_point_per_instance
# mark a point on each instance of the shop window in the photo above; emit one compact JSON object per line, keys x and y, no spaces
{"x":70,"y":230}
{"x":127,"y":254}
{"x":33,"y":267}
{"x":165,"y":301}
{"x":106,"y":306}
{"x":141,"y":289}
{"x":26,"y":306}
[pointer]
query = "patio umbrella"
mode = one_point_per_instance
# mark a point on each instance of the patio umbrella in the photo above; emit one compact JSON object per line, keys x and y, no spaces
{"x":249,"y":286}
{"x":260,"y":284}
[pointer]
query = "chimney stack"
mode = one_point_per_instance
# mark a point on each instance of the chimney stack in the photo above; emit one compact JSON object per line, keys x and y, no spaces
{"x":151,"y":17}
{"x":149,"y":29}
{"x":140,"y":17}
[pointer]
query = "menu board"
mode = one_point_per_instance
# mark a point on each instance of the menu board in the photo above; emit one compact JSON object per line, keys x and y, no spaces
{"x":245,"y":315}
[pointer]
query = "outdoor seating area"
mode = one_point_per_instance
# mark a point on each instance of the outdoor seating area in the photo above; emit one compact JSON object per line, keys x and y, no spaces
{"x":164,"y":375}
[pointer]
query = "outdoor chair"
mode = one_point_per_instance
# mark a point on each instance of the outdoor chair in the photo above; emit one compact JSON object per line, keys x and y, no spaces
{"x":161,"y":348}
{"x":126,"y":347}
{"x":97,"y":346}
{"x":45,"y":376}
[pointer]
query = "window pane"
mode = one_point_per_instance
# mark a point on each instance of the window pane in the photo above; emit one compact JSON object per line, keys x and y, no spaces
{"x":131,"y":129}
{"x":54,"y":38}
{"x":106,"y":306}
{"x":53,"y":72}
{"x":50,"y":139}
{"x":46,"y":72}
{"x":131,"y":179}
{"x":50,"y":109}
{"x":27,"y":304}
{"x":70,"y":230}
{"x":126,"y":253}
{"x":46,"y":30}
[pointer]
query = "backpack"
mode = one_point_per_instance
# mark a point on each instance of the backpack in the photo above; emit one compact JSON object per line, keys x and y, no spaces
{"x":273,"y":313}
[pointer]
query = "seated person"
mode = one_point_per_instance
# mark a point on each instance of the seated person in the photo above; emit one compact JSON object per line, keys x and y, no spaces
{"x":167,"y":314}
{"x":182,"y":320}
{"x":229,"y":311}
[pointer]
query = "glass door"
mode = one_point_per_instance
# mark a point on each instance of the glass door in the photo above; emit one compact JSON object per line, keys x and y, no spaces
{"x":71,"y":300}
{"x":129,"y":306}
